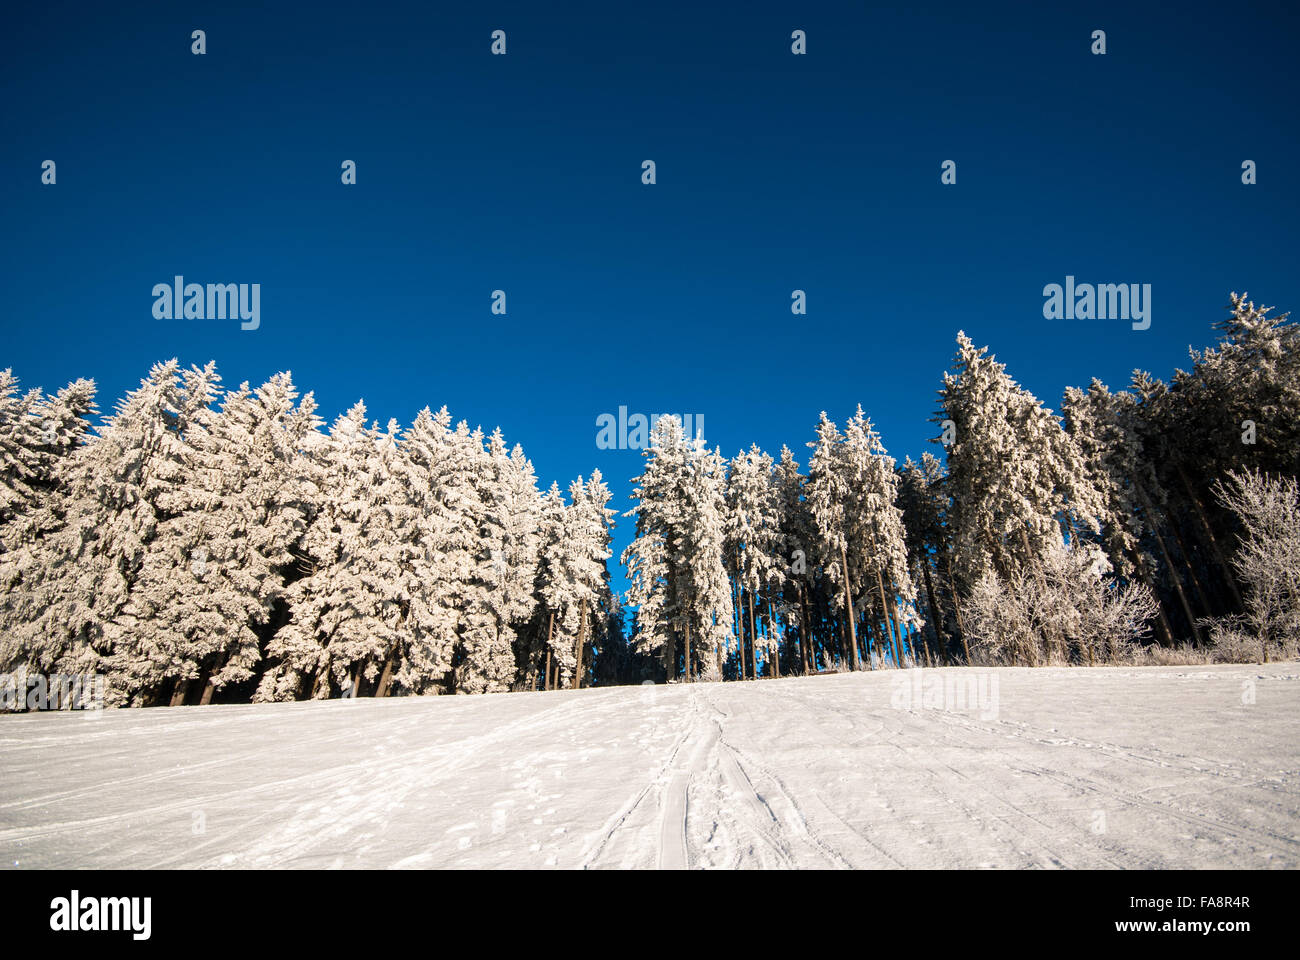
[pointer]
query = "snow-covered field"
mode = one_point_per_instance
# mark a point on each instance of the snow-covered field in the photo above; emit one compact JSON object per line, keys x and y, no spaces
{"x":1107,"y":767}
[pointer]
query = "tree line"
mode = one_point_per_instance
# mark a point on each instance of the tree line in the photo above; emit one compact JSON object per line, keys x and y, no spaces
{"x":203,"y":544}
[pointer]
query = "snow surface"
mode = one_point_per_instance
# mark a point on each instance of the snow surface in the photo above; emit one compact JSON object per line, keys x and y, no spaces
{"x":1106,"y":767}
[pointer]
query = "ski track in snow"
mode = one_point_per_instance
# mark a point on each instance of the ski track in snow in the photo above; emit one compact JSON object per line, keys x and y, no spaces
{"x":1078,"y":768}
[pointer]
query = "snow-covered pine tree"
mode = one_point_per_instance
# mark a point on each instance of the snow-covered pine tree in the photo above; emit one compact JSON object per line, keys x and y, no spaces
{"x":345,"y":615}
{"x":678,"y":579}
{"x":587,"y":535}
{"x":753,"y":545}
{"x":522,"y":510}
{"x":70,"y":604}
{"x":20,"y":442}
{"x":440,"y":532}
{"x":63,"y":425}
{"x":37,"y":435}
{"x":551,"y":589}
{"x":798,"y":554}
{"x":1014,"y":475}
{"x":705,"y":590}
{"x":216,"y":569}
{"x":652,"y":567}
{"x":877,"y":538}
{"x":485,"y":661}
{"x":924,"y":504}
{"x":830,"y":496}
{"x":1097,"y":420}
{"x":37,"y":441}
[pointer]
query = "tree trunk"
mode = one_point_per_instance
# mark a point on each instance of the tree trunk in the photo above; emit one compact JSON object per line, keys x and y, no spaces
{"x":939,"y":638}
{"x":753,"y":639}
{"x":670,"y":657}
{"x":805,"y":637}
{"x":385,"y":677}
{"x":1139,"y":563}
{"x":848,"y":606}
{"x":689,"y":675}
{"x":550,"y":632}
{"x":956,"y":608}
{"x":209,"y":689}
{"x":1191,"y":571}
{"x":179,"y":691}
{"x":582,"y":642}
{"x":1153,"y":522}
{"x":739,"y":606}
{"x":1224,"y":567}
{"x":322,"y":681}
{"x":889,"y":623}
{"x":773,"y":639}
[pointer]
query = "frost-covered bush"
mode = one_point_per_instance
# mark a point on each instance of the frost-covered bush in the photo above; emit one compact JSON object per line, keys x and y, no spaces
{"x":1062,"y":610}
{"x":1268,"y":562}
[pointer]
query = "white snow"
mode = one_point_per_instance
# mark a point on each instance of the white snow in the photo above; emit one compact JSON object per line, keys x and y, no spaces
{"x":1106,"y":767}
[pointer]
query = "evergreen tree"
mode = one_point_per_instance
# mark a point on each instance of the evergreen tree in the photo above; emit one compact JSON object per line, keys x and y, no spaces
{"x":1014,"y":474}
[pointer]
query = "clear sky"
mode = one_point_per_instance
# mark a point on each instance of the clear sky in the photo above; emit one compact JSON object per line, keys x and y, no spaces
{"x":522,"y":173}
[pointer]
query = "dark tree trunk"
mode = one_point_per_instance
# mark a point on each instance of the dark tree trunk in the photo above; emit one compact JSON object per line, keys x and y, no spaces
{"x":941,"y":641}
{"x":848,"y":606}
{"x":179,"y":691}
{"x":1153,"y":523}
{"x":550,"y":628}
{"x":689,"y":674}
{"x":1224,"y":568}
{"x":386,"y":677}
{"x":582,"y":642}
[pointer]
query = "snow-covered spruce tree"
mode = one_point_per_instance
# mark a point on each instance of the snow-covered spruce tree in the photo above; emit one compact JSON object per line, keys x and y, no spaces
{"x":1014,"y":475}
{"x":1268,"y":562}
{"x":345,"y":615}
{"x":64,"y":423}
{"x":522,"y":507}
{"x":71,"y":602}
{"x":440,"y":528}
{"x":752,"y":526}
{"x":924,"y":504}
{"x":37,"y":441}
{"x":1238,"y":408}
{"x":20,"y":441}
{"x":679,"y":584}
{"x":37,"y":435}
{"x":881,"y":537}
{"x":214,"y":572}
{"x":485,"y":659}
{"x":652,"y":565}
{"x":797,"y":552}
{"x":830,"y":500}
{"x":1013,"y":472}
{"x":706,"y":592}
{"x":852,"y":489}
{"x":1251,"y":375}
{"x":1147,"y":416}
{"x":551,"y":588}
{"x":1099,"y":421}
{"x":588,"y":523}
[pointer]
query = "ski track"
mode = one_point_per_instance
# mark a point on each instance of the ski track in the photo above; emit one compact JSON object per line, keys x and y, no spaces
{"x":1083,"y":768}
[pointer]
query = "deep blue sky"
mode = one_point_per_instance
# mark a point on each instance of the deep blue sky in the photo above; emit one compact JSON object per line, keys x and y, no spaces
{"x":522,"y":172}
